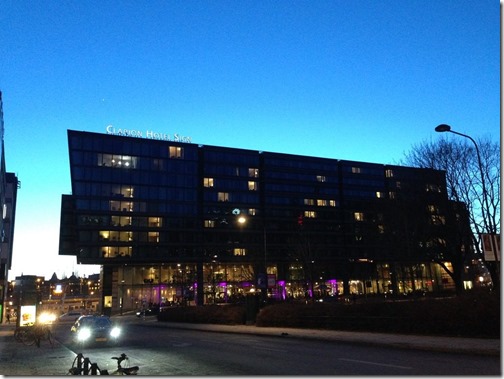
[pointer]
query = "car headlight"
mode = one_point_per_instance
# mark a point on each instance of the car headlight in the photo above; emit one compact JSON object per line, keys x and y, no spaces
{"x":83,"y":334}
{"x":46,"y":318}
{"x":115,"y":332}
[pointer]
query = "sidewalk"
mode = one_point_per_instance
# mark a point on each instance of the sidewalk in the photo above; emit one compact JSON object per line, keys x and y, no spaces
{"x":473,"y":346}
{"x":40,"y":361}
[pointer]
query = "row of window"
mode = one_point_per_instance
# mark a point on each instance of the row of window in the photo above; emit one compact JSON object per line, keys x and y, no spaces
{"x":128,"y":251}
{"x":131,"y":162}
{"x":121,"y":221}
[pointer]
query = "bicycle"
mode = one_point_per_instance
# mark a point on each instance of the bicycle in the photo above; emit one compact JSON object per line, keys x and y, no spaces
{"x":33,"y":334}
{"x":83,"y":366}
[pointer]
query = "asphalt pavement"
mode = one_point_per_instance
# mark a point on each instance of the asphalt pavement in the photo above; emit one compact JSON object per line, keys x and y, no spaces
{"x":18,"y":359}
{"x":458,"y":345}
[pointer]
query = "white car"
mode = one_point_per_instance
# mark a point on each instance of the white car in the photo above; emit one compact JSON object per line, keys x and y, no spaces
{"x":70,"y":317}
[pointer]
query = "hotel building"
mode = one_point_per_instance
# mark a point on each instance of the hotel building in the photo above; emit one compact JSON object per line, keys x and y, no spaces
{"x":173,"y":221}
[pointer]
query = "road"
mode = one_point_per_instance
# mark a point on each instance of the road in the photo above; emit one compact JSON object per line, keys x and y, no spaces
{"x":165,"y":351}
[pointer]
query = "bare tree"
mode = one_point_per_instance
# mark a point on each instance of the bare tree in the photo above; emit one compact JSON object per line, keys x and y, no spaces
{"x":464,"y":182}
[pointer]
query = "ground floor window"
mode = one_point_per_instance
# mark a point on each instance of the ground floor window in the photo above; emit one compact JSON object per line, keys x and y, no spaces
{"x":177,"y":284}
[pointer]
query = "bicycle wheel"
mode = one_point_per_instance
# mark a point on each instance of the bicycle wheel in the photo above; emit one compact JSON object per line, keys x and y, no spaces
{"x":28,"y":336}
{"x":17,"y":334}
{"x":20,"y":334}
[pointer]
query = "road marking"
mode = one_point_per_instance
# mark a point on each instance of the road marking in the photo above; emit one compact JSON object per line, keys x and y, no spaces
{"x":183,"y":344}
{"x":269,"y":349}
{"x":212,"y":341}
{"x":374,"y":363}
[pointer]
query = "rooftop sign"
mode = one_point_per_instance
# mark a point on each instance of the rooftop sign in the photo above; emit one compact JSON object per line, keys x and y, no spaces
{"x":150,"y":134}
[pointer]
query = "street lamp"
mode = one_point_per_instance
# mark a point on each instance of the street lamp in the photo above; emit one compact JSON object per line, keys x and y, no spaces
{"x":447,"y":128}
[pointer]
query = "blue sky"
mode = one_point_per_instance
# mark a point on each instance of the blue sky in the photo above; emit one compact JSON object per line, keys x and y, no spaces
{"x":356,"y":80}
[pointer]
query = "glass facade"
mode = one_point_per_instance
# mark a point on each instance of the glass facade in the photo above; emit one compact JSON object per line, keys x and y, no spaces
{"x":180,"y":222}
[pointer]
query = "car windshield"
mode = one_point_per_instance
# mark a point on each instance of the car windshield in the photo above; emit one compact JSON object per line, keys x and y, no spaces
{"x":95,"y":322}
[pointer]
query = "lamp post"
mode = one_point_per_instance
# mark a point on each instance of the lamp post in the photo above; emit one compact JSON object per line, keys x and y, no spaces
{"x":447,"y":128}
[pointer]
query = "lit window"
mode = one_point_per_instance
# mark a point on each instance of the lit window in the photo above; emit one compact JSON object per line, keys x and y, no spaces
{"x":321,"y":178}
{"x":391,"y":195}
{"x":223,"y":196}
{"x":321,"y":202}
{"x":253,"y":172}
{"x":332,"y":203}
{"x":310,"y":214}
{"x":356,"y":170}
{"x":389,"y":173}
{"x":252,"y":186}
{"x":209,"y":224}
{"x":115,"y":205}
{"x":154,"y":237}
{"x":438,"y":220}
{"x":128,"y":192}
{"x":154,"y":222}
{"x":432,"y":188}
{"x":176,"y":152}
{"x":119,"y":161}
{"x":380,"y":195}
{"x":239,"y":252}
{"x":208,"y":182}
{"x":309,"y":202}
{"x":432,"y":209}
{"x":252,"y":211}
{"x":381,"y":228}
{"x":359,"y":216}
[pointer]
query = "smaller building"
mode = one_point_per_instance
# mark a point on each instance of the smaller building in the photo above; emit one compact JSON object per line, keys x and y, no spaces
{"x":55,"y":295}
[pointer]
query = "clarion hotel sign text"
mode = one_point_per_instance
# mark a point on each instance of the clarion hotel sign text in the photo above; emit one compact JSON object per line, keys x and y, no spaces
{"x":148,"y":134}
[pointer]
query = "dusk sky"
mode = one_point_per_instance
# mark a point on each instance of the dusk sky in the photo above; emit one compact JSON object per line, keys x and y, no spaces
{"x":354,"y":80}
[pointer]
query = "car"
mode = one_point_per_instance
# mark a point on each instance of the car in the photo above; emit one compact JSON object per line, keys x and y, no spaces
{"x":93,"y":328}
{"x":147,"y":312}
{"x":71,"y":316}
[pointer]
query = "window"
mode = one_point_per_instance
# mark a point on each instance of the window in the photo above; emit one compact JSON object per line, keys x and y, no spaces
{"x":321,"y":178}
{"x":438,"y":220}
{"x":209,"y":224}
{"x":310,"y":214}
{"x":222,"y":196}
{"x":322,"y":202}
{"x":239,"y":252}
{"x":309,"y":202}
{"x":155,"y":222}
{"x":252,"y":186}
{"x":432,"y":209}
{"x":253,"y":172}
{"x":356,"y":170}
{"x":432,"y":188}
{"x":359,"y":216}
{"x":332,"y":203}
{"x":208,"y":182}
{"x":119,"y":161}
{"x":154,"y":237}
{"x":252,"y":211}
{"x":176,"y":152}
{"x":391,"y":195}
{"x":380,"y":195}
{"x":389,"y":173}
